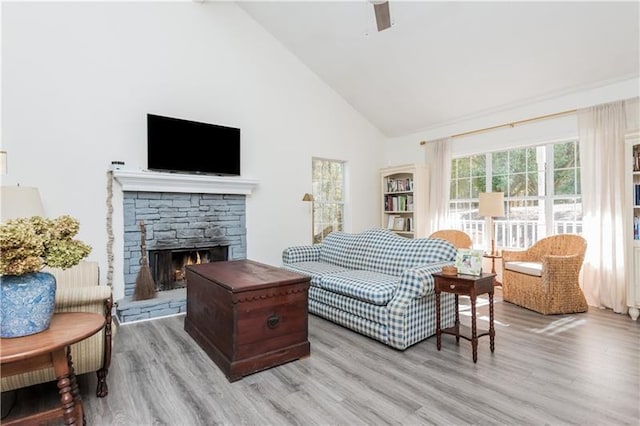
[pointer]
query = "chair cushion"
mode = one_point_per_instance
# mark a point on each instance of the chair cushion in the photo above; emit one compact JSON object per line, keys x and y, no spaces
{"x":529,"y":268}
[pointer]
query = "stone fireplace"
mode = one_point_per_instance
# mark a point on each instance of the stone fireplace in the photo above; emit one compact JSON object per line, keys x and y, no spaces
{"x":188,"y":219}
{"x":180,"y":222}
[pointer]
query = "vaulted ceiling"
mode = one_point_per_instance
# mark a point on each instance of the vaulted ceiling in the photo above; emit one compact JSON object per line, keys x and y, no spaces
{"x":442,"y":62}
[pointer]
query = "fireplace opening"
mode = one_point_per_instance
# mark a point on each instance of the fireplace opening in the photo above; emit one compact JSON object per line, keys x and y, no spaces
{"x":168,"y":266}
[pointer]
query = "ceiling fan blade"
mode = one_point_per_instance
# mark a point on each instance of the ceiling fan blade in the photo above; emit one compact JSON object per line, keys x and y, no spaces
{"x":383,"y":20}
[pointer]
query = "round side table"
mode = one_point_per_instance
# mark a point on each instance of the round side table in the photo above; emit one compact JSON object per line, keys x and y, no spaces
{"x":51,"y":348}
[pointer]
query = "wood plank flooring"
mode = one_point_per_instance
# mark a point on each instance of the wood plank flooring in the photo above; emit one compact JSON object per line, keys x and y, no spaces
{"x":581,"y":369}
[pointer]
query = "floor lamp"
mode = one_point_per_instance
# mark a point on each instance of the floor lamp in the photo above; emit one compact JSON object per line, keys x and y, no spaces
{"x":309,"y":197}
{"x":491,"y":205}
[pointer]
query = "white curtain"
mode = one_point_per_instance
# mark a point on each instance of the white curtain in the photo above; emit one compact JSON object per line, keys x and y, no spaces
{"x":601,"y":131}
{"x":438,"y":159}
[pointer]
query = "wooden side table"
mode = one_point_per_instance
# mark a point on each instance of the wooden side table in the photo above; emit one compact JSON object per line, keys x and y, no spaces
{"x":465,"y":285}
{"x":52,"y":348}
{"x":493,"y":258}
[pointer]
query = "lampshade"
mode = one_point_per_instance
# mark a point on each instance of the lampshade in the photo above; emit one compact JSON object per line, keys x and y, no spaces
{"x":20,"y":201}
{"x":307,"y":197}
{"x":491,"y":204}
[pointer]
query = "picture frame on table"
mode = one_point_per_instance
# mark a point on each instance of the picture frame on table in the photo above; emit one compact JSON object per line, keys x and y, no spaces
{"x":469,"y":262}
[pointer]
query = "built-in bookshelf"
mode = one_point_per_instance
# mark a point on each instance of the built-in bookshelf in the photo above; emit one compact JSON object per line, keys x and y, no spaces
{"x":636,"y":207}
{"x":404,"y":199}
{"x":632,"y":176}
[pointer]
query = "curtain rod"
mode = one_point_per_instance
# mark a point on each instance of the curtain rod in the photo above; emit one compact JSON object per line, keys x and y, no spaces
{"x":512,"y":124}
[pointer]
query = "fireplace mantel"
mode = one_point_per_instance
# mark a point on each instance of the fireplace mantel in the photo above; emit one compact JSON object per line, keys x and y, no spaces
{"x":148,"y":181}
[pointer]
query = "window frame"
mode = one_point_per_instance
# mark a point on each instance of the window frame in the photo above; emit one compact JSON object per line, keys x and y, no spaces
{"x":322,"y":209}
{"x":546,"y":223}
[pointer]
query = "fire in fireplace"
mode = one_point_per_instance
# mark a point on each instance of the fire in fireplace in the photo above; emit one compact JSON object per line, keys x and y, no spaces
{"x":168,"y":265}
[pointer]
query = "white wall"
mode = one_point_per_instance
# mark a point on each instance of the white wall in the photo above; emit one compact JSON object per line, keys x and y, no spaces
{"x":407,"y":148}
{"x":79,"y":78}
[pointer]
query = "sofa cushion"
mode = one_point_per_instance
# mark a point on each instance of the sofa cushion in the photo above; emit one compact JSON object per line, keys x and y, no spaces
{"x":353,"y":251}
{"x":529,"y":268}
{"x":316,"y":270}
{"x":381,"y":250}
{"x":368,"y":286}
{"x":408,"y":253}
{"x":378,"y":314}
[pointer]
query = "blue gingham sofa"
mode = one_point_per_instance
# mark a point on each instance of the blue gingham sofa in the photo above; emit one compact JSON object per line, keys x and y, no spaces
{"x":376,"y":283}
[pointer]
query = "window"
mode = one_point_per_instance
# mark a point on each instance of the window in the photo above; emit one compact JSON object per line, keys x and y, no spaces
{"x":328,"y":193}
{"x":541,"y":186}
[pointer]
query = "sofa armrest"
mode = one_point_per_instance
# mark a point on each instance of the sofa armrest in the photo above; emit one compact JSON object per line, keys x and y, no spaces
{"x":301,"y":254}
{"x":82,"y":299}
{"x":415,"y":283}
{"x":418,"y":281}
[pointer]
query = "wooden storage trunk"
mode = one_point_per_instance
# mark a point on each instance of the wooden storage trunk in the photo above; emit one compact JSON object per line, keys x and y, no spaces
{"x":246,"y":315}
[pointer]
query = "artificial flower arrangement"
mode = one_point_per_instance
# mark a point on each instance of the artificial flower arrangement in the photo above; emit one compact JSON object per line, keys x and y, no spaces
{"x":29,"y":244}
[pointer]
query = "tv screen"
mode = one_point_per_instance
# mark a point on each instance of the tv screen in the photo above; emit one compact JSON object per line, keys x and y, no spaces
{"x":177,"y":145}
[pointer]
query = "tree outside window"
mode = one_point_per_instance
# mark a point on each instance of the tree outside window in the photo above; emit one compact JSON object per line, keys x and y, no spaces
{"x":328,"y":193}
{"x":541,"y":186}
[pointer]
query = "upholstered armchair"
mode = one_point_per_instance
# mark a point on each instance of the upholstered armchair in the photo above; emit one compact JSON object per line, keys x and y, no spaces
{"x":544,"y":278}
{"x":78,"y":291}
{"x":458,"y":238}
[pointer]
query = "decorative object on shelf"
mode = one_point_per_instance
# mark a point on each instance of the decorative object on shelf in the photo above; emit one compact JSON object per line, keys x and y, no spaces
{"x":117,"y":165}
{"x":449,"y":270}
{"x":309,"y":198}
{"x":469,"y":262}
{"x":398,"y":224}
{"x":491,"y":205}
{"x":27,"y":245}
{"x":145,"y":287}
{"x":636,"y":158}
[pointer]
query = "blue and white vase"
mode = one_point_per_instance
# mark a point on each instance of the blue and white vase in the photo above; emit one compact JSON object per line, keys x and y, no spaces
{"x":27,"y":303}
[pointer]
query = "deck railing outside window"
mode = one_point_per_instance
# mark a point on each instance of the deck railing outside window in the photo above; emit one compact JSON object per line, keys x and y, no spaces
{"x":516,"y":234}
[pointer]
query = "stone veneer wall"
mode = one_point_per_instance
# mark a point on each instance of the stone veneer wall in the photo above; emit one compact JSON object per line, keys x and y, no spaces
{"x":177,"y":220}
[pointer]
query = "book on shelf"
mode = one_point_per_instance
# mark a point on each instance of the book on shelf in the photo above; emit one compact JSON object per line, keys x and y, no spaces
{"x":636,"y":195}
{"x":399,"y":184}
{"x":636,"y":227}
{"x":398,"y":203}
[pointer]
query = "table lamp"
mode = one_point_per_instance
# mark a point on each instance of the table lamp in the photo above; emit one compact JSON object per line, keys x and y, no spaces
{"x":491,"y":205}
{"x":309,"y":197}
{"x":20,"y":202}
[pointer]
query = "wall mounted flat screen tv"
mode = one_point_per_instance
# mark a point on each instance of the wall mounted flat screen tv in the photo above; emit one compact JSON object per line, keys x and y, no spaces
{"x":177,"y":145}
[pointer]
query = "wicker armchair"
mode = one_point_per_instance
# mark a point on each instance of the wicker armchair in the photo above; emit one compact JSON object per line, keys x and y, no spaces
{"x":544,"y":278}
{"x":458,"y":238}
{"x":78,"y":291}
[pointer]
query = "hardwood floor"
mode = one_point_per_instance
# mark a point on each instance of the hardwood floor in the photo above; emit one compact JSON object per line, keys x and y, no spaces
{"x":546,"y":370}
